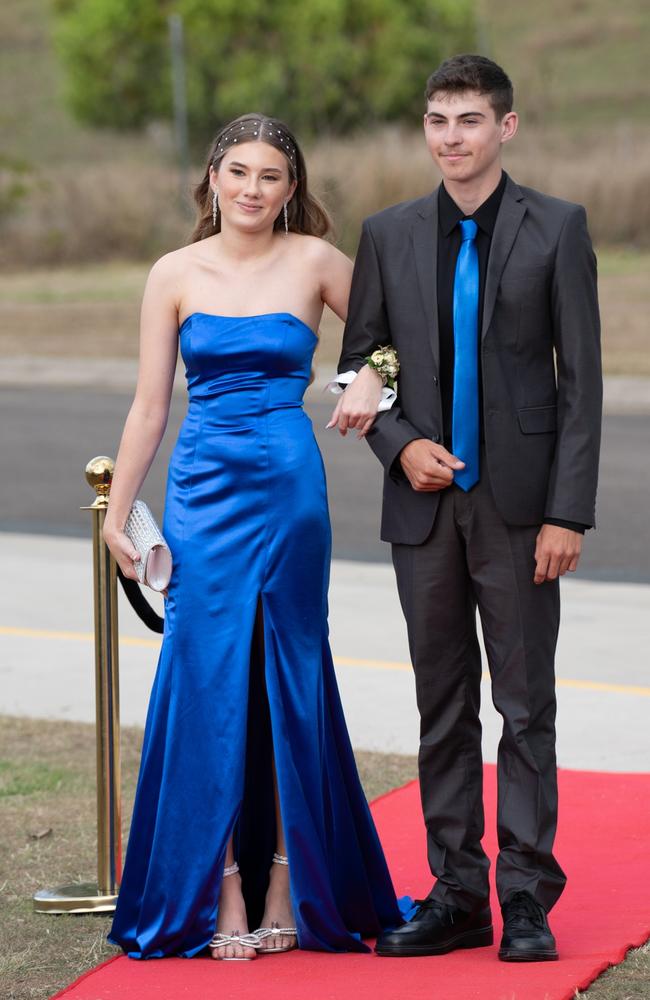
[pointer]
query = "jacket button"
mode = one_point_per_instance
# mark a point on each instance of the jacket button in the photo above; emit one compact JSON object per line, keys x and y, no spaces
{"x":436,"y":438}
{"x":435,"y":379}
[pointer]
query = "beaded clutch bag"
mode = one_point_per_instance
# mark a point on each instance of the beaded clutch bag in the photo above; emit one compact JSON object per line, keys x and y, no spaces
{"x":154,"y":568}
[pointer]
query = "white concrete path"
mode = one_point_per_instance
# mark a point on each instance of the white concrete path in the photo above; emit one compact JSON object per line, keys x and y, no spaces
{"x":47,"y":656}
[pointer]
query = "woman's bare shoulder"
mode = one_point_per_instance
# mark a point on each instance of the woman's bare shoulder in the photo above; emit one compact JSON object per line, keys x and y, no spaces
{"x":317,"y":250}
{"x":174,"y":263}
{"x":169,"y":275}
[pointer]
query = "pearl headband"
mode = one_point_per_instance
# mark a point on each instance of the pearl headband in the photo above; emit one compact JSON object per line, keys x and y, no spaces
{"x":264,"y":130}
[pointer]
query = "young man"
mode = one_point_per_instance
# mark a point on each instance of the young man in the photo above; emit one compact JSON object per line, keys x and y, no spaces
{"x":487,"y":291}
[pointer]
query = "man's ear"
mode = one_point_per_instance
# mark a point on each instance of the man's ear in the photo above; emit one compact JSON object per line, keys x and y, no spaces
{"x":509,"y":126}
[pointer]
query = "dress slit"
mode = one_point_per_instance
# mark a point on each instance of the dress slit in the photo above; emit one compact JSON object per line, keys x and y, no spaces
{"x":255,"y":832}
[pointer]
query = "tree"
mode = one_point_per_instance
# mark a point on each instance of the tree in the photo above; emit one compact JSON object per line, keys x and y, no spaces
{"x":322,"y":65}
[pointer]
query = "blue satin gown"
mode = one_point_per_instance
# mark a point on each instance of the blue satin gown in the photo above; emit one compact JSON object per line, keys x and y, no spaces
{"x":245,"y":670}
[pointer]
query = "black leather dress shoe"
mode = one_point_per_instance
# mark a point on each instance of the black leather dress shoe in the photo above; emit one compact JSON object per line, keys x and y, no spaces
{"x":438,"y":928}
{"x":526,"y":934}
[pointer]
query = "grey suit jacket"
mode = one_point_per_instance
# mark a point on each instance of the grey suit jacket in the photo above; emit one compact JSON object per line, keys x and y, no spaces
{"x":540,"y":356}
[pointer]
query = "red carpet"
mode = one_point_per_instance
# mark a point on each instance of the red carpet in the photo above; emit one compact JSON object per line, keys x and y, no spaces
{"x":602,"y":844}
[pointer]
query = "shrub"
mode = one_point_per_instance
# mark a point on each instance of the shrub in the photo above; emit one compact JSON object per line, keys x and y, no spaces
{"x":324,"y":66}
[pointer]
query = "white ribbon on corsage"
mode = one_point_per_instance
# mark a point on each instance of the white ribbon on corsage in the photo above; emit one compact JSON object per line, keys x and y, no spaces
{"x":337,"y":386}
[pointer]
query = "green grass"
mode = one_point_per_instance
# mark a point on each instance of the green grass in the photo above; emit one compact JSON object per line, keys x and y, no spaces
{"x":621,"y":262}
{"x":30,"y":778}
{"x":115,"y":281}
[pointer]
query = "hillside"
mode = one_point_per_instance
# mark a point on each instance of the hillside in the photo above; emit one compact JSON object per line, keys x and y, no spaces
{"x":577,"y":62}
{"x":34,"y":122}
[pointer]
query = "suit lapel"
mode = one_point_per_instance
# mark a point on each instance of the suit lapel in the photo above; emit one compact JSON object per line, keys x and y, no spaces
{"x":511,"y":213}
{"x":424,"y":236}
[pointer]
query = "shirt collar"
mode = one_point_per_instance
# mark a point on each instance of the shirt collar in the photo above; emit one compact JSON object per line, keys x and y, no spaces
{"x":485,"y":216}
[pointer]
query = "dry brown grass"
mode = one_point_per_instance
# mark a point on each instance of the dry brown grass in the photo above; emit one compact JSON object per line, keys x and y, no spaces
{"x":132,"y":210}
{"x":578,"y":62}
{"x":624,"y":288}
{"x":607,"y":173}
{"x":579,"y":68}
{"x":92,"y":312}
{"x":82,"y":312}
{"x":94,"y":212}
{"x":99,"y":213}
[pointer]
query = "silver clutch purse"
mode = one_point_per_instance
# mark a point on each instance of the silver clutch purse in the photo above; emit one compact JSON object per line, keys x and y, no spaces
{"x":154,"y":568}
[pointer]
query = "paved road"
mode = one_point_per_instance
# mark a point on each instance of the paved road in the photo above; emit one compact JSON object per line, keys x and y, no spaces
{"x":49,"y":434}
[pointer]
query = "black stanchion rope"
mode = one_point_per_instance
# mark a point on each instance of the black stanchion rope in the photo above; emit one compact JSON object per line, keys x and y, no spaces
{"x":140,"y":604}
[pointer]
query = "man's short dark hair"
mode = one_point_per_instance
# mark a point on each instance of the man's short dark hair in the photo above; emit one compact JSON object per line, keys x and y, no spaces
{"x":470,"y":72}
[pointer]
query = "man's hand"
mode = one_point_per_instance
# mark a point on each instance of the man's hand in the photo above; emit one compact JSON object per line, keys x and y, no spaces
{"x":357,"y":407}
{"x":428,"y":466}
{"x":557,"y":552}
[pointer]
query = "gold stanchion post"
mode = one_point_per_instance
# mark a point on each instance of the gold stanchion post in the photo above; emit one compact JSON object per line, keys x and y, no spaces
{"x":101,"y":896}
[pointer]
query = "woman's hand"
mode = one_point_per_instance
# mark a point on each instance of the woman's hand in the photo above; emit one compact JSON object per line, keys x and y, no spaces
{"x":358,"y":405}
{"x":122,"y":549}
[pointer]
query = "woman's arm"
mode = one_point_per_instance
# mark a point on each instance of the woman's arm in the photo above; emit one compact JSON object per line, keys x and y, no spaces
{"x":357,"y":407}
{"x":147,"y":419}
{"x":335,"y":279}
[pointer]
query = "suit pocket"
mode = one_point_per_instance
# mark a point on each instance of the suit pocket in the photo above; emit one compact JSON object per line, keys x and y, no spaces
{"x":537,"y":419}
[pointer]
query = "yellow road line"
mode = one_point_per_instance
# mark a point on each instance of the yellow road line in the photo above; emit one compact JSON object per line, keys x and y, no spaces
{"x":44,"y":633}
{"x":340,"y":661}
{"x":346,"y":661}
{"x":565,"y":682}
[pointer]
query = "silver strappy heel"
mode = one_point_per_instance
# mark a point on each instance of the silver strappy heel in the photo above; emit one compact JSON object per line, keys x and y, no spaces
{"x":262,"y":933}
{"x":223,"y":940}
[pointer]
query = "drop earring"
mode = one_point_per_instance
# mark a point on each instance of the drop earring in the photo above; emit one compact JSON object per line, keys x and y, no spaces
{"x":286,"y":219}
{"x":215,"y":208}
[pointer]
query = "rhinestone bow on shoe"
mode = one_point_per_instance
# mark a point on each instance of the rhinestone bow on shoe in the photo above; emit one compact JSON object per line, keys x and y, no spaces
{"x":220,"y":940}
{"x":262,"y":933}
{"x":245,"y":940}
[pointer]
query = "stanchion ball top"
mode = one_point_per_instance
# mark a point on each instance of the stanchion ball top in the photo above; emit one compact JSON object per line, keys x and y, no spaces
{"x":99,"y":474}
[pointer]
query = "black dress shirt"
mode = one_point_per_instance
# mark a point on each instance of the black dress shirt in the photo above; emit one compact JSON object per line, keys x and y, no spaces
{"x":449,"y":217}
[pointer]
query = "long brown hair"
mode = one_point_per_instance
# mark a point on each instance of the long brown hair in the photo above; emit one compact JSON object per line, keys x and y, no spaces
{"x":305,"y":214}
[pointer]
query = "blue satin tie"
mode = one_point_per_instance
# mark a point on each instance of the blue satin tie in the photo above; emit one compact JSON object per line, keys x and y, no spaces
{"x":465,"y":409}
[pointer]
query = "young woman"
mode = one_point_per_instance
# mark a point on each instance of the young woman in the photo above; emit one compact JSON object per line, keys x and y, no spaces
{"x":249,"y":809}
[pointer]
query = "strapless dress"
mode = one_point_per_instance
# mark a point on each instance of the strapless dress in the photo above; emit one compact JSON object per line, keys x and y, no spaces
{"x":245,"y":673}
